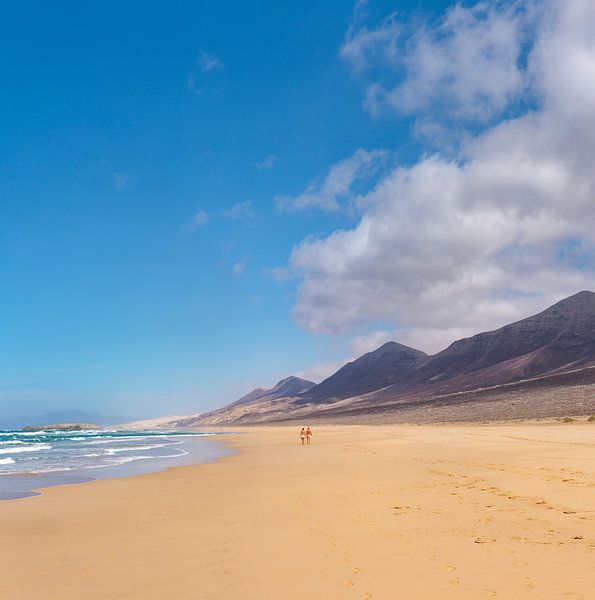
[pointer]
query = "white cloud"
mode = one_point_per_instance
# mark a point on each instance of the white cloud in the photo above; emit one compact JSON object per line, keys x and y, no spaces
{"x":241,"y":210}
{"x":268,"y":163}
{"x":238,"y":268}
{"x":466,"y":66}
{"x":278,"y":274}
{"x":199,"y":219}
{"x":321,"y":371}
{"x":454,"y":245}
{"x":209,"y":62}
{"x":364,"y":47}
{"x":191,"y":85}
{"x":340,"y":184}
{"x":370,"y":341}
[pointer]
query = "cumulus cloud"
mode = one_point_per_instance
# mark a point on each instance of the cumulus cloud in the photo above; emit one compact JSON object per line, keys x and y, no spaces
{"x":467,"y":65}
{"x":340,"y":185}
{"x":453,"y":245}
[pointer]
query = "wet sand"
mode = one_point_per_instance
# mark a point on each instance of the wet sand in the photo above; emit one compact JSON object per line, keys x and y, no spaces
{"x":385,"y":512}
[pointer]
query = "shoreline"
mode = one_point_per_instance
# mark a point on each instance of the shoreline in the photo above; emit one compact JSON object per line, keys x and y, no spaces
{"x":24,"y":485}
{"x":365,"y":512}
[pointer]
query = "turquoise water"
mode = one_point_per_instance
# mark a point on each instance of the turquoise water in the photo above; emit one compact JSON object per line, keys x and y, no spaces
{"x":32,"y":460}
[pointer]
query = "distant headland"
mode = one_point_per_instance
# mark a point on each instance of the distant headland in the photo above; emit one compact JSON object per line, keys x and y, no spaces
{"x":62,"y":427}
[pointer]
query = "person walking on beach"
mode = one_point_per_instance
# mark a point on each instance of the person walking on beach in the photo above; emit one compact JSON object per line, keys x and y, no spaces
{"x":309,"y":435}
{"x":303,"y":435}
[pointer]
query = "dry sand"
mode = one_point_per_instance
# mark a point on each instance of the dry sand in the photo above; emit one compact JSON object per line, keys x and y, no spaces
{"x":365,"y":512}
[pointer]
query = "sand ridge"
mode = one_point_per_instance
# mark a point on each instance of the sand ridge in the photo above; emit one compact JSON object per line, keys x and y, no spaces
{"x":366,"y":512}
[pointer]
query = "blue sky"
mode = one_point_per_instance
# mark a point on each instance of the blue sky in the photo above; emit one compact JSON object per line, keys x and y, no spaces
{"x":185,"y":188}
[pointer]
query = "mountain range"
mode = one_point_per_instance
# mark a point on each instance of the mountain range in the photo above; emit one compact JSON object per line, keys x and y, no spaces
{"x":503,"y":372}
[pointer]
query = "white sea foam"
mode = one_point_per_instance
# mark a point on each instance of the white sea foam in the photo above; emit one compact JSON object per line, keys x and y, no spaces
{"x":126,"y":459}
{"x":53,"y":470}
{"x":113,"y":463}
{"x":45,"y":453}
{"x":111,"y":451}
{"x":121,"y":438}
{"x":31,"y":448}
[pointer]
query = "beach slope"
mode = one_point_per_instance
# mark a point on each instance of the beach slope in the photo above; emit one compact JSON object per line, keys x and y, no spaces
{"x":366,"y":512}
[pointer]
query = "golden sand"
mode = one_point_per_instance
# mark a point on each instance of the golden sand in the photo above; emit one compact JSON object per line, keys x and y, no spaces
{"x":390,"y":512}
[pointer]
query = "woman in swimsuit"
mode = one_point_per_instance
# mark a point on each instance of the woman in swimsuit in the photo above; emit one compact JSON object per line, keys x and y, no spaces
{"x":303,"y":435}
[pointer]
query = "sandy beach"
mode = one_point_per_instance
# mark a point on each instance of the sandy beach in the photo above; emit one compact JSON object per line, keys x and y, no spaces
{"x":366,"y":512}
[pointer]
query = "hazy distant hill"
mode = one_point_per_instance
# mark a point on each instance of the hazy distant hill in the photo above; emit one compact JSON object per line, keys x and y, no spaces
{"x":62,"y":416}
{"x":286,"y":388}
{"x":561,"y":339}
{"x":165,"y":422}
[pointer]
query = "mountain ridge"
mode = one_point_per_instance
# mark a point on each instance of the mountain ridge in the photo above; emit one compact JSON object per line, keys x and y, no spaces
{"x":287,"y":387}
{"x":556,"y":340}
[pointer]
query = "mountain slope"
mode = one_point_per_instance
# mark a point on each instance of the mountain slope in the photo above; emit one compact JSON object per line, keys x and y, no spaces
{"x":384,"y":366}
{"x":286,"y":388}
{"x":562,"y":335}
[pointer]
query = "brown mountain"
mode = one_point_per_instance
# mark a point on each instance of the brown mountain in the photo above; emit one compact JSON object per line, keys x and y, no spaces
{"x":385,"y":366}
{"x":289,"y":387}
{"x":534,"y":351}
{"x":560,"y":337}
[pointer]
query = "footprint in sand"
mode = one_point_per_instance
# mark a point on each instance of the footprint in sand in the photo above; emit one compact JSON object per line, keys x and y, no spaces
{"x":491,"y":593}
{"x":451,"y":568}
{"x":482,"y":540}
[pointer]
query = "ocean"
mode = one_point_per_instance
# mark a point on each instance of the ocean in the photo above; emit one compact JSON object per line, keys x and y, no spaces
{"x":33,"y":460}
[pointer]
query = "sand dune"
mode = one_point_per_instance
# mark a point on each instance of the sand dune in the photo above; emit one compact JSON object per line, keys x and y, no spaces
{"x":364,"y":513}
